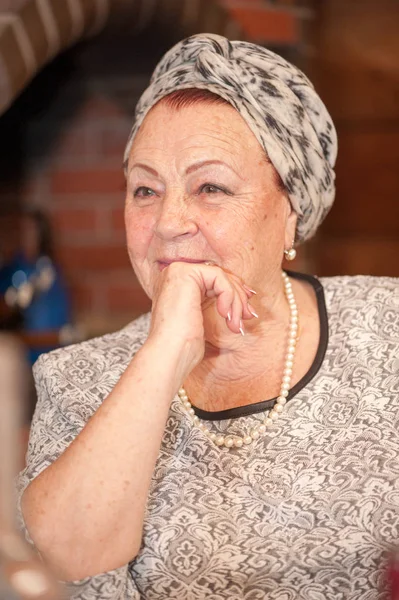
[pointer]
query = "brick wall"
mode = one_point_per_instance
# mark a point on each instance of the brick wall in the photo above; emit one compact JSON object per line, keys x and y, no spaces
{"x":77,"y":179}
{"x":278,"y":22}
{"x":74,"y":152}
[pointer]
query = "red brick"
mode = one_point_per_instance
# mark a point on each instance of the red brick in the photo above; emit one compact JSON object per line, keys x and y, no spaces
{"x":127,"y":298}
{"x":259,"y":3}
{"x":99,"y":107}
{"x":9,"y":235}
{"x":93,"y":257}
{"x":83,"y":296}
{"x":267,"y":25}
{"x":31,"y":186}
{"x":72,"y":142}
{"x":118,"y":219}
{"x":244,"y":3}
{"x":74,"y":220}
{"x":90,"y":181}
{"x":112,"y":142}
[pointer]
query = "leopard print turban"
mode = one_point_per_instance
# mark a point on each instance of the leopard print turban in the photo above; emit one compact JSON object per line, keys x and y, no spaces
{"x":277,"y":101}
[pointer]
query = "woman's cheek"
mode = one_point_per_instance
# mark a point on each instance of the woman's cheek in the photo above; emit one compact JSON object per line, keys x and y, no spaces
{"x":139,"y":228}
{"x":224,"y":231}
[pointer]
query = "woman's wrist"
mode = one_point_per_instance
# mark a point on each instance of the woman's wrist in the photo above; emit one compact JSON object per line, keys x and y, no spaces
{"x":170,"y":357}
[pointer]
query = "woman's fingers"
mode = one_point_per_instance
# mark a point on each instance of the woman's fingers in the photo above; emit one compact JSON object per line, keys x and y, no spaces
{"x":232,"y":297}
{"x":249,"y":290}
{"x":248,"y":310}
{"x":240,"y":309}
{"x":237,"y":308}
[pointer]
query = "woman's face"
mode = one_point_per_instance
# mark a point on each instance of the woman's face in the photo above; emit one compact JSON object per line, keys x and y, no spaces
{"x":200,"y":188}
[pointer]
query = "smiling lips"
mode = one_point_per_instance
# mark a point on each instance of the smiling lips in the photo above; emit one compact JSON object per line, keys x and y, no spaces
{"x":164,"y":262}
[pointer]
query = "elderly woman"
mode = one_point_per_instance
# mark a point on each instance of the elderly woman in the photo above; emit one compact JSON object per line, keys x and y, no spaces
{"x":241,"y":441}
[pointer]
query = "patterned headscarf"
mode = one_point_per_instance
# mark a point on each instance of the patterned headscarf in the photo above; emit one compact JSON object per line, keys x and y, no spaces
{"x":278,"y":103}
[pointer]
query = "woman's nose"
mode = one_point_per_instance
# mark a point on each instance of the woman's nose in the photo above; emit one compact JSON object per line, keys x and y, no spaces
{"x":174,"y":219}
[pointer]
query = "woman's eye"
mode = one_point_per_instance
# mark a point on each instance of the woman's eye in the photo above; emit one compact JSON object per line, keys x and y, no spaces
{"x":209,"y":188}
{"x":144,"y":192}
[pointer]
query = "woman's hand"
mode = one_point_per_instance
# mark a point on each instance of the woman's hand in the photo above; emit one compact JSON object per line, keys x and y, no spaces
{"x":183,"y":292}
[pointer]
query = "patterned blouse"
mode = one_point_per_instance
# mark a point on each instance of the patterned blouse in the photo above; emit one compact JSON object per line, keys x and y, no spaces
{"x":309,"y":512}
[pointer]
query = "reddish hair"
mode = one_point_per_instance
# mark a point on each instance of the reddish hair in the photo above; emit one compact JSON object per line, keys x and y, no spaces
{"x":190,"y":97}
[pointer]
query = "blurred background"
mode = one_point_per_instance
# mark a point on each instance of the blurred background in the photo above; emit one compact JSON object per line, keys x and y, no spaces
{"x":71,"y":72}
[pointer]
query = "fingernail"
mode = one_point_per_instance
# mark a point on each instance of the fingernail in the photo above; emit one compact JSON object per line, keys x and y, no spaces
{"x":241,"y":328}
{"x":249,"y":289}
{"x":228,"y":316}
{"x":251,"y":310}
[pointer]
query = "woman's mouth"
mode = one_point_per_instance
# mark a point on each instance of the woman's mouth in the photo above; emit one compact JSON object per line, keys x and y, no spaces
{"x":165,"y":262}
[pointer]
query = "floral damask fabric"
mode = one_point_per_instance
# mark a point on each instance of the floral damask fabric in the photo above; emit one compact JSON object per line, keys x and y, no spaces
{"x":309,"y":512}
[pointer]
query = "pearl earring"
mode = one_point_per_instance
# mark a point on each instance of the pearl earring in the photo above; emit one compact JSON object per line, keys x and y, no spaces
{"x":290,"y":254}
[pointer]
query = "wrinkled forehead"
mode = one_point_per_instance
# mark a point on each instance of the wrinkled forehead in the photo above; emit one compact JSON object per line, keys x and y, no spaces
{"x":175,"y":142}
{"x":203,"y":127}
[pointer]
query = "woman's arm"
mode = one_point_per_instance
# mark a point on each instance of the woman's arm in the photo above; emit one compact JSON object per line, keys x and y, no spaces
{"x":85,"y":511}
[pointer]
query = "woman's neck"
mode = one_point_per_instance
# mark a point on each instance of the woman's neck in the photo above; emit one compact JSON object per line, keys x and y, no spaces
{"x":241,"y":370}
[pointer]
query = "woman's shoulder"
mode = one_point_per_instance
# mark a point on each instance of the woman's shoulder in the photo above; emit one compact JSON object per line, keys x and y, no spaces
{"x":82,"y":363}
{"x":362,"y":288}
{"x":364,"y":304}
{"x":362,"y":281}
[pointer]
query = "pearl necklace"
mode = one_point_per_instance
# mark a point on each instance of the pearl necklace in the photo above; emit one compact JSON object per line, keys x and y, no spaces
{"x":236,"y":441}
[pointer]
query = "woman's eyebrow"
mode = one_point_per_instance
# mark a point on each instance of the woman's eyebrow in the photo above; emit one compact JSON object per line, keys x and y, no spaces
{"x":145,"y":168}
{"x":205,"y":163}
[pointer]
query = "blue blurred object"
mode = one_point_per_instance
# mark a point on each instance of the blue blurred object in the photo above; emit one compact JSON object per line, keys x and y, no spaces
{"x":38,"y":290}
{"x":35,"y":296}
